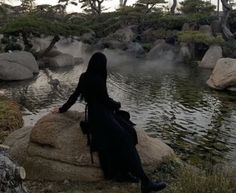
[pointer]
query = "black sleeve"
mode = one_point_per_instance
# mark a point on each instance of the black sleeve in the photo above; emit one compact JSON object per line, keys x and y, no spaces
{"x":101,"y":94}
{"x":72,"y":99}
{"x":114,"y":105}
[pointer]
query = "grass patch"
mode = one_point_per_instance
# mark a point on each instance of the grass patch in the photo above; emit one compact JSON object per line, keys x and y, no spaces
{"x":194,"y":180}
{"x":10,"y":116}
{"x":181,"y":178}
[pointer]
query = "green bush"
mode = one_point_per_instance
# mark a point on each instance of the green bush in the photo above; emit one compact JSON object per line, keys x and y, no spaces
{"x":229,"y":49}
{"x":196,"y":6}
{"x":232,"y":21}
{"x":12,"y":46}
{"x":30,"y":24}
{"x":199,"y":37}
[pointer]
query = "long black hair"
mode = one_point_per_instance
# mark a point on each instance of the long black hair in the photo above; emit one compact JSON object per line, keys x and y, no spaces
{"x":97,"y":68}
{"x":97,"y":65}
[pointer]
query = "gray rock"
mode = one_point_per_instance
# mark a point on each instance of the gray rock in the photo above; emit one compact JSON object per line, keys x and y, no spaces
{"x":223,"y":75}
{"x":206,"y":29}
{"x":56,"y":150}
{"x":53,"y":53}
{"x":189,"y":26}
{"x":125,"y":35}
{"x":78,"y":60}
{"x":40,"y":44}
{"x":61,"y":60}
{"x":213,"y":54}
{"x":162,"y":50}
{"x":110,"y":43}
{"x":14,"y":71}
{"x":26,"y":59}
{"x":88,"y":37}
{"x":135,"y":49}
{"x":118,"y":40}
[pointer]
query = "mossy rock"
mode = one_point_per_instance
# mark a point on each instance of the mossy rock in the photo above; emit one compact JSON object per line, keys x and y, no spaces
{"x":10,"y":117}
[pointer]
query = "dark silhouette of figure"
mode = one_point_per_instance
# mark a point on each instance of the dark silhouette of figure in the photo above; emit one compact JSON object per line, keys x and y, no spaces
{"x":112,"y":133}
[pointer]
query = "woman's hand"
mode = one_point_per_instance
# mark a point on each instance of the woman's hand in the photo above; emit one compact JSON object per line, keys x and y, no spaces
{"x":55,"y":110}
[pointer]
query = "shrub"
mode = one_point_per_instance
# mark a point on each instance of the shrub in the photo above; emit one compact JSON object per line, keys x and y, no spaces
{"x":12,"y":46}
{"x":10,"y":115}
{"x":34,"y":25}
{"x":229,"y":49}
{"x":196,"y":6}
{"x":199,"y":37}
{"x":232,"y":21}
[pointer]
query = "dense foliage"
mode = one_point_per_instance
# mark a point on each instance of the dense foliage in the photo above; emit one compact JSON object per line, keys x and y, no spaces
{"x":196,"y":6}
{"x":199,"y":37}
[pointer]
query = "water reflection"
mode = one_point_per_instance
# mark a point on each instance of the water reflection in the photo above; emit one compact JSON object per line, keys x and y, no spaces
{"x":169,"y":101}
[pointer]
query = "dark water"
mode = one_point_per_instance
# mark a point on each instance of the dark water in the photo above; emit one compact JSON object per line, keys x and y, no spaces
{"x":170,"y":101}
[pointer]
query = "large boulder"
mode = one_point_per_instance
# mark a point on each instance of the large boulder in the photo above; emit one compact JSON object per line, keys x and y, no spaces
{"x":89,"y":37}
{"x":41,"y":43}
{"x":189,"y":26}
{"x":206,"y":29}
{"x":56,"y":149}
{"x":61,"y":60}
{"x":17,"y":65}
{"x":162,"y":50}
{"x":135,"y":49}
{"x":10,"y":117}
{"x":118,"y":40}
{"x":110,"y":43}
{"x":124,"y":35}
{"x":223,"y":75}
{"x":213,"y":54}
{"x":70,"y":46}
{"x":14,"y":71}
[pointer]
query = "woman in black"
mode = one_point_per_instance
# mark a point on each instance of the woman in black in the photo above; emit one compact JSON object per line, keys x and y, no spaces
{"x":112,"y":134}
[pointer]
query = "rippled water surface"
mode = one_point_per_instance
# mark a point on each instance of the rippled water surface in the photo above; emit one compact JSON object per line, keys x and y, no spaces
{"x":170,"y":101}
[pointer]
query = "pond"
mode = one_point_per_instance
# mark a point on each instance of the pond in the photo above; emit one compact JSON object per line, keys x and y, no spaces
{"x":170,"y":101}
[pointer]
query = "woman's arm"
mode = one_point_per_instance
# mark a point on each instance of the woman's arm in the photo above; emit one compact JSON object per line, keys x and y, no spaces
{"x":72,"y":99}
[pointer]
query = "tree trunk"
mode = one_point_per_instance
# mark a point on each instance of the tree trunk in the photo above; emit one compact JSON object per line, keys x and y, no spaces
{"x":20,"y":173}
{"x":226,"y":12}
{"x":55,"y":39}
{"x":173,"y":7}
{"x":218,"y":8}
{"x":27,"y":43}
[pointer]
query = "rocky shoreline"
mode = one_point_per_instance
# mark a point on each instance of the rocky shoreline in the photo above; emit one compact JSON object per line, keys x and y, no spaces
{"x":59,"y":52}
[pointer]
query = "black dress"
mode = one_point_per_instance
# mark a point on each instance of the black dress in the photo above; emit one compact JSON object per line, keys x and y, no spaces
{"x":112,"y":136}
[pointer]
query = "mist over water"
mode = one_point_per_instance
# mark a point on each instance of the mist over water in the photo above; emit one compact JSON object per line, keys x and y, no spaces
{"x":167,"y":99}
